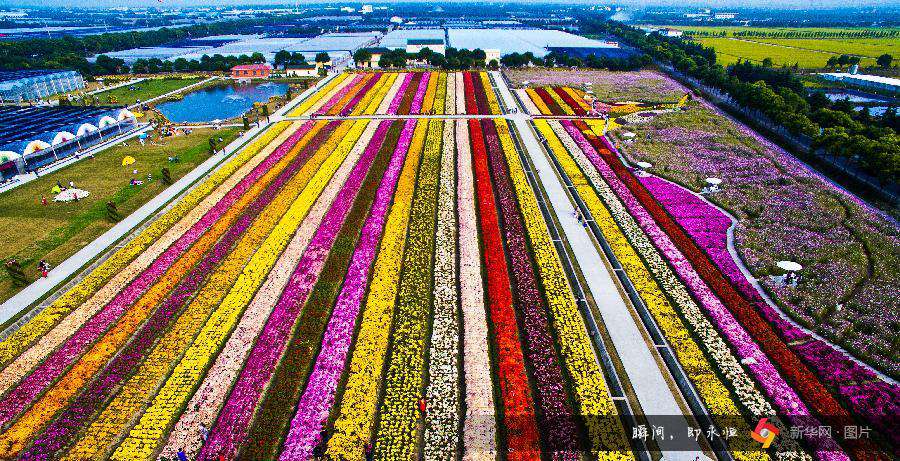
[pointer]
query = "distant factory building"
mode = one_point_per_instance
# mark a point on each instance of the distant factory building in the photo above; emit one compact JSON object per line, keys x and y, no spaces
{"x":414,"y":45}
{"x":301,"y":70}
{"x":874,"y":82}
{"x":31,"y":85}
{"x":248,"y":71}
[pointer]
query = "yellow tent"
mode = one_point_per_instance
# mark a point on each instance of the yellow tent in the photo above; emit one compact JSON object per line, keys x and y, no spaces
{"x":128,"y":160}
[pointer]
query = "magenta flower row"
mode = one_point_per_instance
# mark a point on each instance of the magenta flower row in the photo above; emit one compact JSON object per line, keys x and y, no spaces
{"x":319,"y":396}
{"x":63,"y":357}
{"x":420,"y":93}
{"x":233,"y":422}
{"x":398,"y":98}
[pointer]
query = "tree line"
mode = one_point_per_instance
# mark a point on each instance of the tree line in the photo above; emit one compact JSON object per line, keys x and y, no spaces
{"x":870,"y":142}
{"x":794,"y":33}
{"x":70,"y":52}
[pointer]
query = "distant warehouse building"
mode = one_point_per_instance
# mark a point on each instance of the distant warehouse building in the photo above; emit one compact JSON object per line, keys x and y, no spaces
{"x":34,"y":84}
{"x":873,"y":82}
{"x":414,"y":45}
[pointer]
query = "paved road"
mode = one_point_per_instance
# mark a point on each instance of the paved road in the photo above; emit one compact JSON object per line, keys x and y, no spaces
{"x":633,"y":347}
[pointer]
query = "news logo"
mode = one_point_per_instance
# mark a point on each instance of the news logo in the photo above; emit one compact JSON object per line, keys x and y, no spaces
{"x":764,"y":433}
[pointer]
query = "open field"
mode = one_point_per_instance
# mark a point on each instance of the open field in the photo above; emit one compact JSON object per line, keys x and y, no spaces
{"x":782,"y":51}
{"x":644,"y":86}
{"x":144,"y":90}
{"x":58,"y":230}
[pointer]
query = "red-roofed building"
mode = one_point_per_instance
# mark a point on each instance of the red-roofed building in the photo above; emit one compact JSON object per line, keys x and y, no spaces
{"x":251,"y":71}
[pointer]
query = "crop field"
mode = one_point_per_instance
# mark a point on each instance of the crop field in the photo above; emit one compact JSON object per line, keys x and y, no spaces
{"x":806,"y":53}
{"x":399,"y":286}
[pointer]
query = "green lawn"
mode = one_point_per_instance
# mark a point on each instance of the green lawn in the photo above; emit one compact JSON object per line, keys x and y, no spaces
{"x":144,"y":90}
{"x":31,"y":232}
{"x":782,"y":51}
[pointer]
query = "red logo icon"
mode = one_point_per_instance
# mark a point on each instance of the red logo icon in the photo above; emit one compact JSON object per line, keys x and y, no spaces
{"x":764,"y":433}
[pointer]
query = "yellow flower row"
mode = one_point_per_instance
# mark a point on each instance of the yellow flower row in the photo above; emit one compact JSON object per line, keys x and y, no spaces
{"x":320,"y":96}
{"x":144,"y":438}
{"x":372,"y":99}
{"x":440,"y":95}
{"x":430,"y":91}
{"x":493,"y":104}
{"x":711,"y":389}
{"x":575,"y":345}
{"x":159,"y":362}
{"x":100,"y":353}
{"x":396,"y":437}
{"x":38,"y":352}
{"x":536,"y":99}
{"x":357,"y":410}
{"x":578,"y":96}
{"x":559,"y":101}
{"x":13,"y":345}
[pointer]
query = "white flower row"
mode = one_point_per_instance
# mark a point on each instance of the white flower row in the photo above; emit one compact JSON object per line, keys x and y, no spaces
{"x":745,"y":389}
{"x":442,"y":424}
{"x":479,"y":426}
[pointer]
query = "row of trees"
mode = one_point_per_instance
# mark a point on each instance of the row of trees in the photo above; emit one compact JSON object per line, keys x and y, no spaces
{"x":774,"y":33}
{"x":871,"y":142}
{"x":453,"y":59}
{"x":72,"y":52}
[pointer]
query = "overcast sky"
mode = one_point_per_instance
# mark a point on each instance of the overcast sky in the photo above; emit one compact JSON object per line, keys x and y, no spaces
{"x":713,"y":4}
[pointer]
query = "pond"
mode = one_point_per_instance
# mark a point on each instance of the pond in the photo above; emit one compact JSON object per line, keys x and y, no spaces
{"x":220,"y":102}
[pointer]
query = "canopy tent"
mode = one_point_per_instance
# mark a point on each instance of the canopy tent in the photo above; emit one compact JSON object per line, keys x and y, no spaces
{"x":106,"y":121}
{"x":8,"y":156}
{"x":128,"y":160}
{"x":61,"y":137}
{"x":35,"y":146}
{"x":86,"y":128}
{"x":713,"y":181}
{"x":124,"y":114}
{"x":70,"y":195}
{"x":644,"y":165}
{"x":789,"y":266}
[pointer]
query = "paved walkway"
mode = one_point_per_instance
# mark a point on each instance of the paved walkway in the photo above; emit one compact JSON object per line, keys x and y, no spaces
{"x":117,"y":85}
{"x":39,"y":289}
{"x":648,"y":379}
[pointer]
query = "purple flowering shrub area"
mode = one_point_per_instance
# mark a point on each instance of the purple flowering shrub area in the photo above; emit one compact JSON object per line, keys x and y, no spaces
{"x":786,"y":211}
{"x":644,"y":85}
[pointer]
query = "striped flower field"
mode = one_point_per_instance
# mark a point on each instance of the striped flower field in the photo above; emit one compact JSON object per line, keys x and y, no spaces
{"x":360,"y":279}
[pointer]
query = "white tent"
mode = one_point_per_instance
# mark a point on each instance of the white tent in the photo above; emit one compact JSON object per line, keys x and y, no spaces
{"x":8,"y":155}
{"x":789,"y":266}
{"x":62,"y":137}
{"x":35,"y":146}
{"x":106,"y":121}
{"x":86,"y":128}
{"x":124,"y":114}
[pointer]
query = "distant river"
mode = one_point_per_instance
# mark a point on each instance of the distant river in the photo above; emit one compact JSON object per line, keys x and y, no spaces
{"x":220,"y":102}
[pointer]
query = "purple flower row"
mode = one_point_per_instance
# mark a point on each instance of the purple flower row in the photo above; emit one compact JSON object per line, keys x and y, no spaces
{"x":63,"y":357}
{"x":557,"y":420}
{"x":107,"y":382}
{"x":233,"y":422}
{"x":398,"y":98}
{"x":340,"y":94}
{"x":362,"y":92}
{"x":868,"y":395}
{"x":319,"y":396}
{"x":419,"y":98}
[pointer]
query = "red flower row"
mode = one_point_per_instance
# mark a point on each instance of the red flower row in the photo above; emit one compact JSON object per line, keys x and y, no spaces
{"x":795,"y":372}
{"x":519,"y":417}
